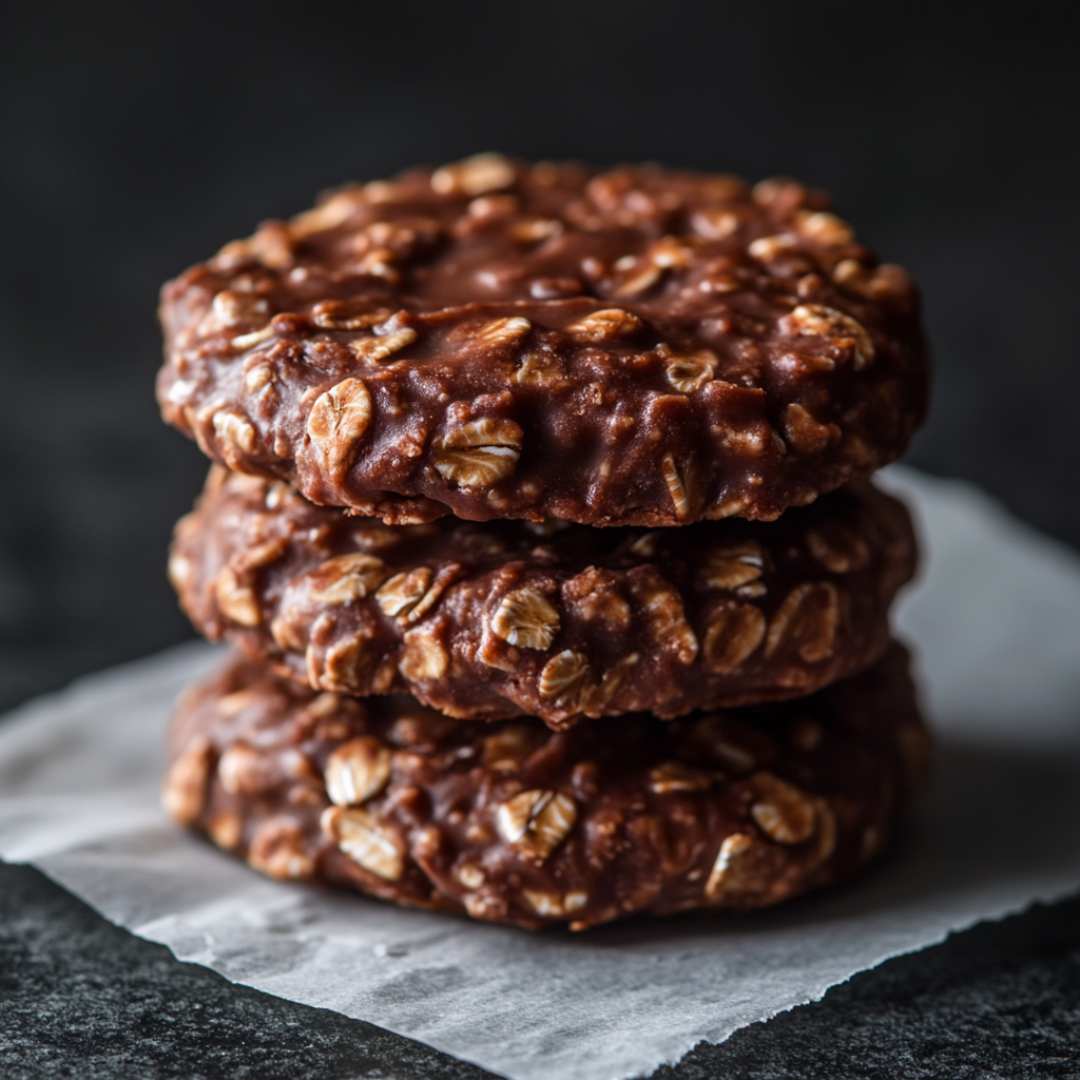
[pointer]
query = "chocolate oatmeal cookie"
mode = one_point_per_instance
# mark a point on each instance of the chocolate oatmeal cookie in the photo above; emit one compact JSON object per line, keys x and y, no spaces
{"x":509,"y":618}
{"x":513,"y":823}
{"x":496,"y":340}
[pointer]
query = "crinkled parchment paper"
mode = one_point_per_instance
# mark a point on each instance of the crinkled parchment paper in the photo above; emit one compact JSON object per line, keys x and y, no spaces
{"x":996,"y":622}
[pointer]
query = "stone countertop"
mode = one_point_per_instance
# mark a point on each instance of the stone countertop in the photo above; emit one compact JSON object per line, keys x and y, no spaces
{"x":80,"y":997}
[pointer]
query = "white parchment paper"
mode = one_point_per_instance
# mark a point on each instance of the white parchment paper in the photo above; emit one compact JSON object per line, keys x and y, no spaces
{"x":996,"y":620}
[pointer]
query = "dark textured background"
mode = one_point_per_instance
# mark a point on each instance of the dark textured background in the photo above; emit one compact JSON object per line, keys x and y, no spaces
{"x":133,"y":146}
{"x":136,"y":140}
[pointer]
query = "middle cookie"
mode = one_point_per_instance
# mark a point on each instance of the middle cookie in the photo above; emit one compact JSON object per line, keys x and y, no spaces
{"x":506,"y":618}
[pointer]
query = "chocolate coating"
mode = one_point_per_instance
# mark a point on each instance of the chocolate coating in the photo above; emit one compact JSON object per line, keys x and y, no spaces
{"x":494,"y":340}
{"x":508,"y":618}
{"x":513,"y":823}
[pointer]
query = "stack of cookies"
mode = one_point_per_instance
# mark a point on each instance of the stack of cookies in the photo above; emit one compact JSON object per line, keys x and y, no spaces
{"x":541,"y":526}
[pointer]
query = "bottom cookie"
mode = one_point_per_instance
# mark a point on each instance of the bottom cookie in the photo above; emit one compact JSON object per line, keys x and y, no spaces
{"x":514,"y":823}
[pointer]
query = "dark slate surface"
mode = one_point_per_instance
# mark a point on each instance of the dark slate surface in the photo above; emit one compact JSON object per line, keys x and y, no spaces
{"x":79,"y":997}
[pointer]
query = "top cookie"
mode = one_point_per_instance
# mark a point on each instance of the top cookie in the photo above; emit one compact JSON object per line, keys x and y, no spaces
{"x":490,"y":339}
